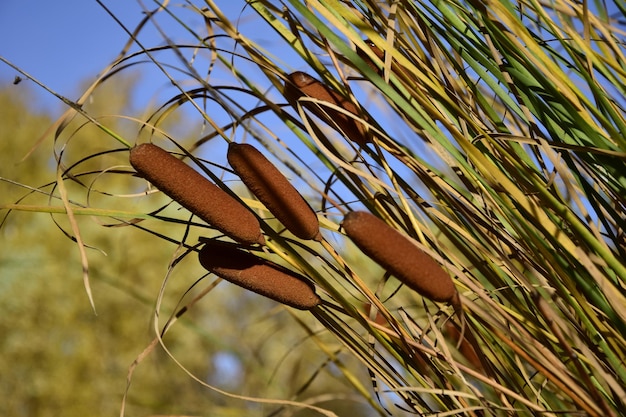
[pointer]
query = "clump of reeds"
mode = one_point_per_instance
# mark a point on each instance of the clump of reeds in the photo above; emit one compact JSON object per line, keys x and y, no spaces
{"x":506,"y":131}
{"x":259,"y":275}
{"x":271,"y":187}
{"x":196,"y":193}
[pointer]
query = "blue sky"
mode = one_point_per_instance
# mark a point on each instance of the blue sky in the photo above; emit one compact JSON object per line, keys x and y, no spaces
{"x":60,"y":43}
{"x":68,"y":42}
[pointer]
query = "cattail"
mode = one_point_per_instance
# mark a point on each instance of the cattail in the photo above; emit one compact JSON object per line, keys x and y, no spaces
{"x":399,"y":256}
{"x":395,"y":67}
{"x":196,"y":193}
{"x":464,"y":345}
{"x":259,"y":275}
{"x":377,"y":51}
{"x":271,"y":187}
{"x":300,"y":84}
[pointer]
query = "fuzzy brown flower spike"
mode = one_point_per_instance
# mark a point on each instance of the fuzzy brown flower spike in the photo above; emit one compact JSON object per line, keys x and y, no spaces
{"x":395,"y":67}
{"x":300,"y":84}
{"x":196,"y":193}
{"x":399,"y":256}
{"x":271,"y":187}
{"x":259,"y":275}
{"x":377,"y":51}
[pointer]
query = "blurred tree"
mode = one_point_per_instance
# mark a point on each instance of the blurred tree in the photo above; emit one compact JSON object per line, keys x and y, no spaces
{"x":59,"y":358}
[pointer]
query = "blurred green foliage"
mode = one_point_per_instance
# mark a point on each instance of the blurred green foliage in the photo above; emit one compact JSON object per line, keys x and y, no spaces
{"x":59,"y":358}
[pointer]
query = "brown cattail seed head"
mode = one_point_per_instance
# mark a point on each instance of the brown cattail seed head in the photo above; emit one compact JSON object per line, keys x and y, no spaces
{"x":377,"y":51}
{"x":465,"y":346}
{"x":196,"y":193}
{"x":300,"y":84}
{"x":259,"y":275}
{"x":271,"y":187}
{"x":399,"y":256}
{"x":395,"y":67}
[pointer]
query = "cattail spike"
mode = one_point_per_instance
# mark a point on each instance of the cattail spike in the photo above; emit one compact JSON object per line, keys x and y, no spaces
{"x":463,"y":341}
{"x":300,"y":84}
{"x":259,"y":275}
{"x":196,"y":193}
{"x":399,"y":256}
{"x":380,"y":54}
{"x":271,"y":187}
{"x":396,"y":68}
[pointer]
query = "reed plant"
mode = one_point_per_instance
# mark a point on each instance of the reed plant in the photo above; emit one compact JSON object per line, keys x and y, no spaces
{"x":489,"y":136}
